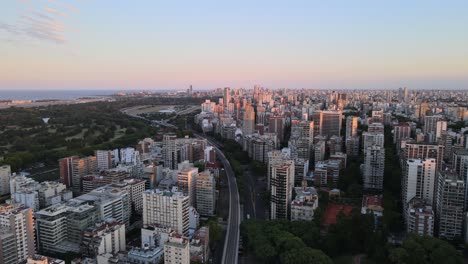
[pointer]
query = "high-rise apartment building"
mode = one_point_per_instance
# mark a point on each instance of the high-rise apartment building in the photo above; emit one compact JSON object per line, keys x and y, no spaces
{"x":420,"y":217}
{"x":419,"y":180}
{"x":352,"y":146}
{"x":176,"y":150}
{"x":351,"y":126}
{"x":8,"y":246}
{"x":106,"y":238}
{"x":423,"y":151}
{"x":423,"y":109}
{"x":460,"y":163}
{"x":281,"y":175}
{"x":104,"y":159}
{"x":81,"y":167}
{"x":206,"y":194}
{"x":66,"y":170}
{"x":374,"y":166}
{"x":5,"y":173}
{"x":113,"y":202}
{"x":319,"y":151}
{"x":430,"y":127}
{"x":327,"y":123}
{"x":401,"y":131}
{"x":135,"y":188}
{"x":20,"y":222}
{"x":227,"y":96}
{"x":166,"y":208}
{"x":59,"y":228}
{"x":450,"y":209}
{"x":187,"y":181}
{"x":372,"y":139}
{"x":177,"y":250}
{"x":248,"y":123}
{"x":276,"y":125}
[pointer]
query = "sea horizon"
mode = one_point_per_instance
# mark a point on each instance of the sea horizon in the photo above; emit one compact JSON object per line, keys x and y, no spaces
{"x":51,"y":94}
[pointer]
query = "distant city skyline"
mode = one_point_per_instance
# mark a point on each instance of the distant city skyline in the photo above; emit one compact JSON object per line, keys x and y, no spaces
{"x":123,"y":45}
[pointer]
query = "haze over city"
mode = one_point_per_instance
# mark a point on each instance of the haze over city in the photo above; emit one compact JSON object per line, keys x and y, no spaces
{"x":105,"y":44}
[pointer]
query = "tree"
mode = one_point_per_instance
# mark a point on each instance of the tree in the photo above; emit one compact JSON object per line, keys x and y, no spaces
{"x":425,"y":249}
{"x":215,"y":232}
{"x":306,"y":256}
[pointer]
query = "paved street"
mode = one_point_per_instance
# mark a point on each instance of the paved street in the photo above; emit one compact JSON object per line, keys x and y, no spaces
{"x":231,"y":242}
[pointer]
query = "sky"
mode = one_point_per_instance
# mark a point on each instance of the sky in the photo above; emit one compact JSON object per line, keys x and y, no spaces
{"x":152,"y":44}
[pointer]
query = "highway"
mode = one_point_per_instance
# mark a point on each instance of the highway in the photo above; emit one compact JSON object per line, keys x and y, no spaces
{"x":231,"y":242}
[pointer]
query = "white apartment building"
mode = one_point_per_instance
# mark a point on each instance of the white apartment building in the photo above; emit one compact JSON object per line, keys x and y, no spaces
{"x":106,"y":238}
{"x":419,"y":180}
{"x":135,"y":188}
{"x":370,"y":139}
{"x":166,"y":208}
{"x":104,"y":159}
{"x":59,"y":227}
{"x":36,"y":195}
{"x":113,"y":203}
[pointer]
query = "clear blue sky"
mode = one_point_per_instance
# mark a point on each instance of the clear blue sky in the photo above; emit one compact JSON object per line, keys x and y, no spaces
{"x":121,"y":44}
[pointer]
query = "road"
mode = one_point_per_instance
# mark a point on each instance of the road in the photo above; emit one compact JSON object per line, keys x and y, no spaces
{"x":231,"y":242}
{"x":163,"y":122}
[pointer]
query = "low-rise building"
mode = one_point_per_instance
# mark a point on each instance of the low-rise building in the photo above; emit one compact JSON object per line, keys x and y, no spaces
{"x":199,"y":245}
{"x":305,"y":203}
{"x":148,"y":255}
{"x":373,"y":204}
